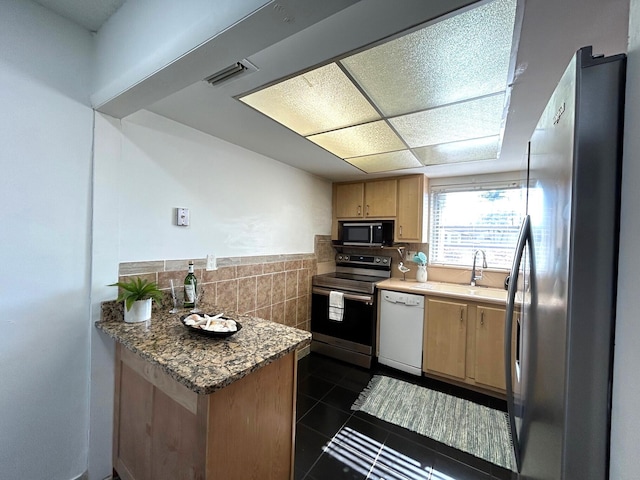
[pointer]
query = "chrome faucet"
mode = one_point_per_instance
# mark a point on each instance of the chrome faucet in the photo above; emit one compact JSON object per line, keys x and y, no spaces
{"x":475,"y":277}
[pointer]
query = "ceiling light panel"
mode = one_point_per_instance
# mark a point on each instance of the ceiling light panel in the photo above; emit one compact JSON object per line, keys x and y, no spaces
{"x":461,"y":57}
{"x":367,"y":139}
{"x":464,"y":151}
{"x":477,"y":118}
{"x":316,"y":101}
{"x":385,"y":162}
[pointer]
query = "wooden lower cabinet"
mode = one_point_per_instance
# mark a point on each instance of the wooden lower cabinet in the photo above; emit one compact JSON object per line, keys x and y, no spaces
{"x":489,"y":348}
{"x":163,"y":430}
{"x":445,"y":343}
{"x":464,"y":343}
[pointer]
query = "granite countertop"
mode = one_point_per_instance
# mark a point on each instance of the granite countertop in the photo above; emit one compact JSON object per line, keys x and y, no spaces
{"x":450,"y":290}
{"x":202,"y":364}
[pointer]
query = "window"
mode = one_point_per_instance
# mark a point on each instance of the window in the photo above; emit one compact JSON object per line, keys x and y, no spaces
{"x":466,"y":219}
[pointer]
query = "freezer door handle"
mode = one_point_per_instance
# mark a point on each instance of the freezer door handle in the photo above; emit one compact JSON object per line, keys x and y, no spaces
{"x":523,"y":239}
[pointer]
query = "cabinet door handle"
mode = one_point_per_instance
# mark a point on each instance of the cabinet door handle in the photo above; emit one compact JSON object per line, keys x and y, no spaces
{"x":400,"y":231}
{"x":367,"y":209}
{"x":461,"y":314}
{"x":359,"y":210}
{"x":481,"y":318}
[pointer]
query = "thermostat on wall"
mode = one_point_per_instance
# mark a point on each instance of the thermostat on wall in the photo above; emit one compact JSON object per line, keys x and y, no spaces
{"x":182,"y":217}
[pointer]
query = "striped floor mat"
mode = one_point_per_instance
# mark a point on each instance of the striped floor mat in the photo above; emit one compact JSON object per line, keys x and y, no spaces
{"x":467,"y":426}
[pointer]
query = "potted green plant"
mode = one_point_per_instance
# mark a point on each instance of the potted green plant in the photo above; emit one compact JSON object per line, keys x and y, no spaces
{"x":137,"y":295}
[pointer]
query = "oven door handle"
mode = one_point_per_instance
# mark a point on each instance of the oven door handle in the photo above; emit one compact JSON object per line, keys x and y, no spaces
{"x":368,"y":299}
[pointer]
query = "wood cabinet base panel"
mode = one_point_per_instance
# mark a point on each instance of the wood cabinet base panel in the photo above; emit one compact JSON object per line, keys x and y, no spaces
{"x":244,"y":431}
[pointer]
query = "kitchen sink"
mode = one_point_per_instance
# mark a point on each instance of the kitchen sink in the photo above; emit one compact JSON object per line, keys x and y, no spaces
{"x":457,"y":289}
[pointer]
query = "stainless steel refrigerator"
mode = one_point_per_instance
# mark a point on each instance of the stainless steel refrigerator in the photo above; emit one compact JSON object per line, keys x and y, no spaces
{"x":562,"y":293}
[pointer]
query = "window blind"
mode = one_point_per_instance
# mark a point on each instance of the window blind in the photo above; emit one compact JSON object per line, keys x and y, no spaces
{"x":485,"y":218}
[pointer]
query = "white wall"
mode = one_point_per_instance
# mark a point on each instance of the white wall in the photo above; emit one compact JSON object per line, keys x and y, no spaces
{"x":45,"y":190}
{"x":105,"y":257}
{"x":145,"y":36}
{"x":241,"y":203}
{"x":625,"y":434}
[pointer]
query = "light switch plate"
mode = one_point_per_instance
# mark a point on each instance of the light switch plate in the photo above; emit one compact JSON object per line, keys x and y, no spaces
{"x":212,"y":263}
{"x":182,"y":217}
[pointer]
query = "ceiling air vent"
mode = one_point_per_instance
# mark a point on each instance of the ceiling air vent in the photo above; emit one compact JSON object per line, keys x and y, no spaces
{"x":231,"y":72}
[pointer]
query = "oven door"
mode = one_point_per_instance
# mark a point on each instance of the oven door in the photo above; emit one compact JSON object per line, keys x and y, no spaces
{"x":351,"y":338}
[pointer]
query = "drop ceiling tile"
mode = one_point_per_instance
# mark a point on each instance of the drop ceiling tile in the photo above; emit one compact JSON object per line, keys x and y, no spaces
{"x":438,"y":88}
{"x":316,"y":101}
{"x":464,"y":151}
{"x":464,"y":56}
{"x":367,"y":139}
{"x":385,"y":162}
{"x":461,"y":121}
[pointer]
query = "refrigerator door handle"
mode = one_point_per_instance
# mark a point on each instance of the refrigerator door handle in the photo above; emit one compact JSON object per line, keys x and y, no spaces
{"x":523,"y":239}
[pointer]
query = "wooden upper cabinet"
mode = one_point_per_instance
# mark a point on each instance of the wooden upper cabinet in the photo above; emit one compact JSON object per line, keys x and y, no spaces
{"x":374,"y":199}
{"x":489,"y":352}
{"x":380,"y":198}
{"x":400,"y":198}
{"x":445,"y":342}
{"x":349,"y":200}
{"x":410,"y":221}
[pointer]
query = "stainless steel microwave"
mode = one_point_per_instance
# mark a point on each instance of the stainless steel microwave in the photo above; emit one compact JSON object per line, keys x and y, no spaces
{"x":366,"y":234}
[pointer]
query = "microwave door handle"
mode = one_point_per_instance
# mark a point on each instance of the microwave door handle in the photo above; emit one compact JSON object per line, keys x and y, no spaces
{"x":370,"y":233}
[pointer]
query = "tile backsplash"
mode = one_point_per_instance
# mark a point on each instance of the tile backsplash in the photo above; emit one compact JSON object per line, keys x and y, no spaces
{"x":278,"y":287}
{"x":273,"y":287}
{"x":325,"y":254}
{"x":438,"y":273}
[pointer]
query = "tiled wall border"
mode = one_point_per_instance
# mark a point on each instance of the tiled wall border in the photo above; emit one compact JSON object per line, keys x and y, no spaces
{"x":273,"y":287}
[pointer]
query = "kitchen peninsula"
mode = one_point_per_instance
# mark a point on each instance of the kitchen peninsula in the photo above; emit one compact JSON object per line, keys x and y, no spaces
{"x":189,"y":406}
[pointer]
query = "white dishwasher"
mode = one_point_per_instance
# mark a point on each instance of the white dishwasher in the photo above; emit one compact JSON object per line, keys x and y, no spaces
{"x":401,"y":326}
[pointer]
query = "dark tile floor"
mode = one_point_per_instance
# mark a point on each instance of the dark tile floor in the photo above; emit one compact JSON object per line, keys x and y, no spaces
{"x":363,"y":446}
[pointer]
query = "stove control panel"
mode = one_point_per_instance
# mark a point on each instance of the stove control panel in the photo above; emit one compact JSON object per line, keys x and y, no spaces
{"x":362,"y":260}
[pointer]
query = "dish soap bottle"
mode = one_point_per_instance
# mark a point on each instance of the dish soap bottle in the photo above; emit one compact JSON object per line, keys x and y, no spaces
{"x":190,"y":284}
